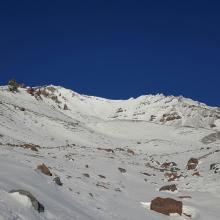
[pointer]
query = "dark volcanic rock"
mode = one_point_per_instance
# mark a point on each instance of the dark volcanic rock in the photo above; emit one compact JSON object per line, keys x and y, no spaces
{"x":166,"y":206}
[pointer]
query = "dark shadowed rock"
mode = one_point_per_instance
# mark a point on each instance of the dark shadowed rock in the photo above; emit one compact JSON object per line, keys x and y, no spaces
{"x":122,"y":170}
{"x":117,"y":189}
{"x":215,"y":167}
{"x":171,"y":187}
{"x":185,"y":197}
{"x":13,"y":85}
{"x":212,"y":166}
{"x":65,"y":107}
{"x":86,"y":175}
{"x":106,"y":149}
{"x":35,"y":203}
{"x":102,"y":176}
{"x":187,"y":215}
{"x":22,"y":109}
{"x":146,"y":174}
{"x":91,"y":195}
{"x":101,"y":184}
{"x":166,"y":206}
{"x":58,"y":181}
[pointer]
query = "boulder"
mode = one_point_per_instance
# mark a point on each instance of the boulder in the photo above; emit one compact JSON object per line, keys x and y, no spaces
{"x":13,"y":85}
{"x":102,"y":176}
{"x":129,"y":151}
{"x":35,"y":203}
{"x":192,"y":164}
{"x":171,"y":187}
{"x":22,"y":109}
{"x":58,"y":181}
{"x":215,"y":167}
{"x":122,"y":170}
{"x":65,"y":107}
{"x":86,"y":175}
{"x":44,"y":169}
{"x":166,"y":206}
{"x":212,"y":166}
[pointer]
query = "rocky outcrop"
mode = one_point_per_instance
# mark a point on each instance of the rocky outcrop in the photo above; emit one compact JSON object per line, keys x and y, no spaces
{"x":170,"y":117}
{"x":32,"y":147}
{"x":13,"y":85}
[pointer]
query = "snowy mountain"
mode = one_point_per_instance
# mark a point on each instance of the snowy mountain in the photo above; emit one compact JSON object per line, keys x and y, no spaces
{"x":111,"y":156}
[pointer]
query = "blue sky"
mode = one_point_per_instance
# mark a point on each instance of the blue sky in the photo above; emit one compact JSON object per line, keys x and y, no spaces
{"x":114,"y":49}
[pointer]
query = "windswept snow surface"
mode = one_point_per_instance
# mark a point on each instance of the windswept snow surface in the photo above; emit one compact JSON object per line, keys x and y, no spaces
{"x":139,"y":135}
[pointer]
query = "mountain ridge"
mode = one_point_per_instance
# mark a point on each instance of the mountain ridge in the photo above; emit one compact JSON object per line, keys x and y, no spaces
{"x":170,"y":110}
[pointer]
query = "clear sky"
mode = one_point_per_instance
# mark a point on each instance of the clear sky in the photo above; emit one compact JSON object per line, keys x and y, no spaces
{"x":114,"y":49}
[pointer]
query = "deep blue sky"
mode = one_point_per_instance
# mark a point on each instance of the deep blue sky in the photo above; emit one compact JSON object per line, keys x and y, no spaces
{"x":114,"y":49}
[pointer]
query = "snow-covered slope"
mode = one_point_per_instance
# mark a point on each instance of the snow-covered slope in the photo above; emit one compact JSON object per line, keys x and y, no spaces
{"x":85,"y":141}
{"x":158,"y":108}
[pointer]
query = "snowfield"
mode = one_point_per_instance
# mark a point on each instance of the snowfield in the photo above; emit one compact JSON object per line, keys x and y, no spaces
{"x":109,"y":155}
